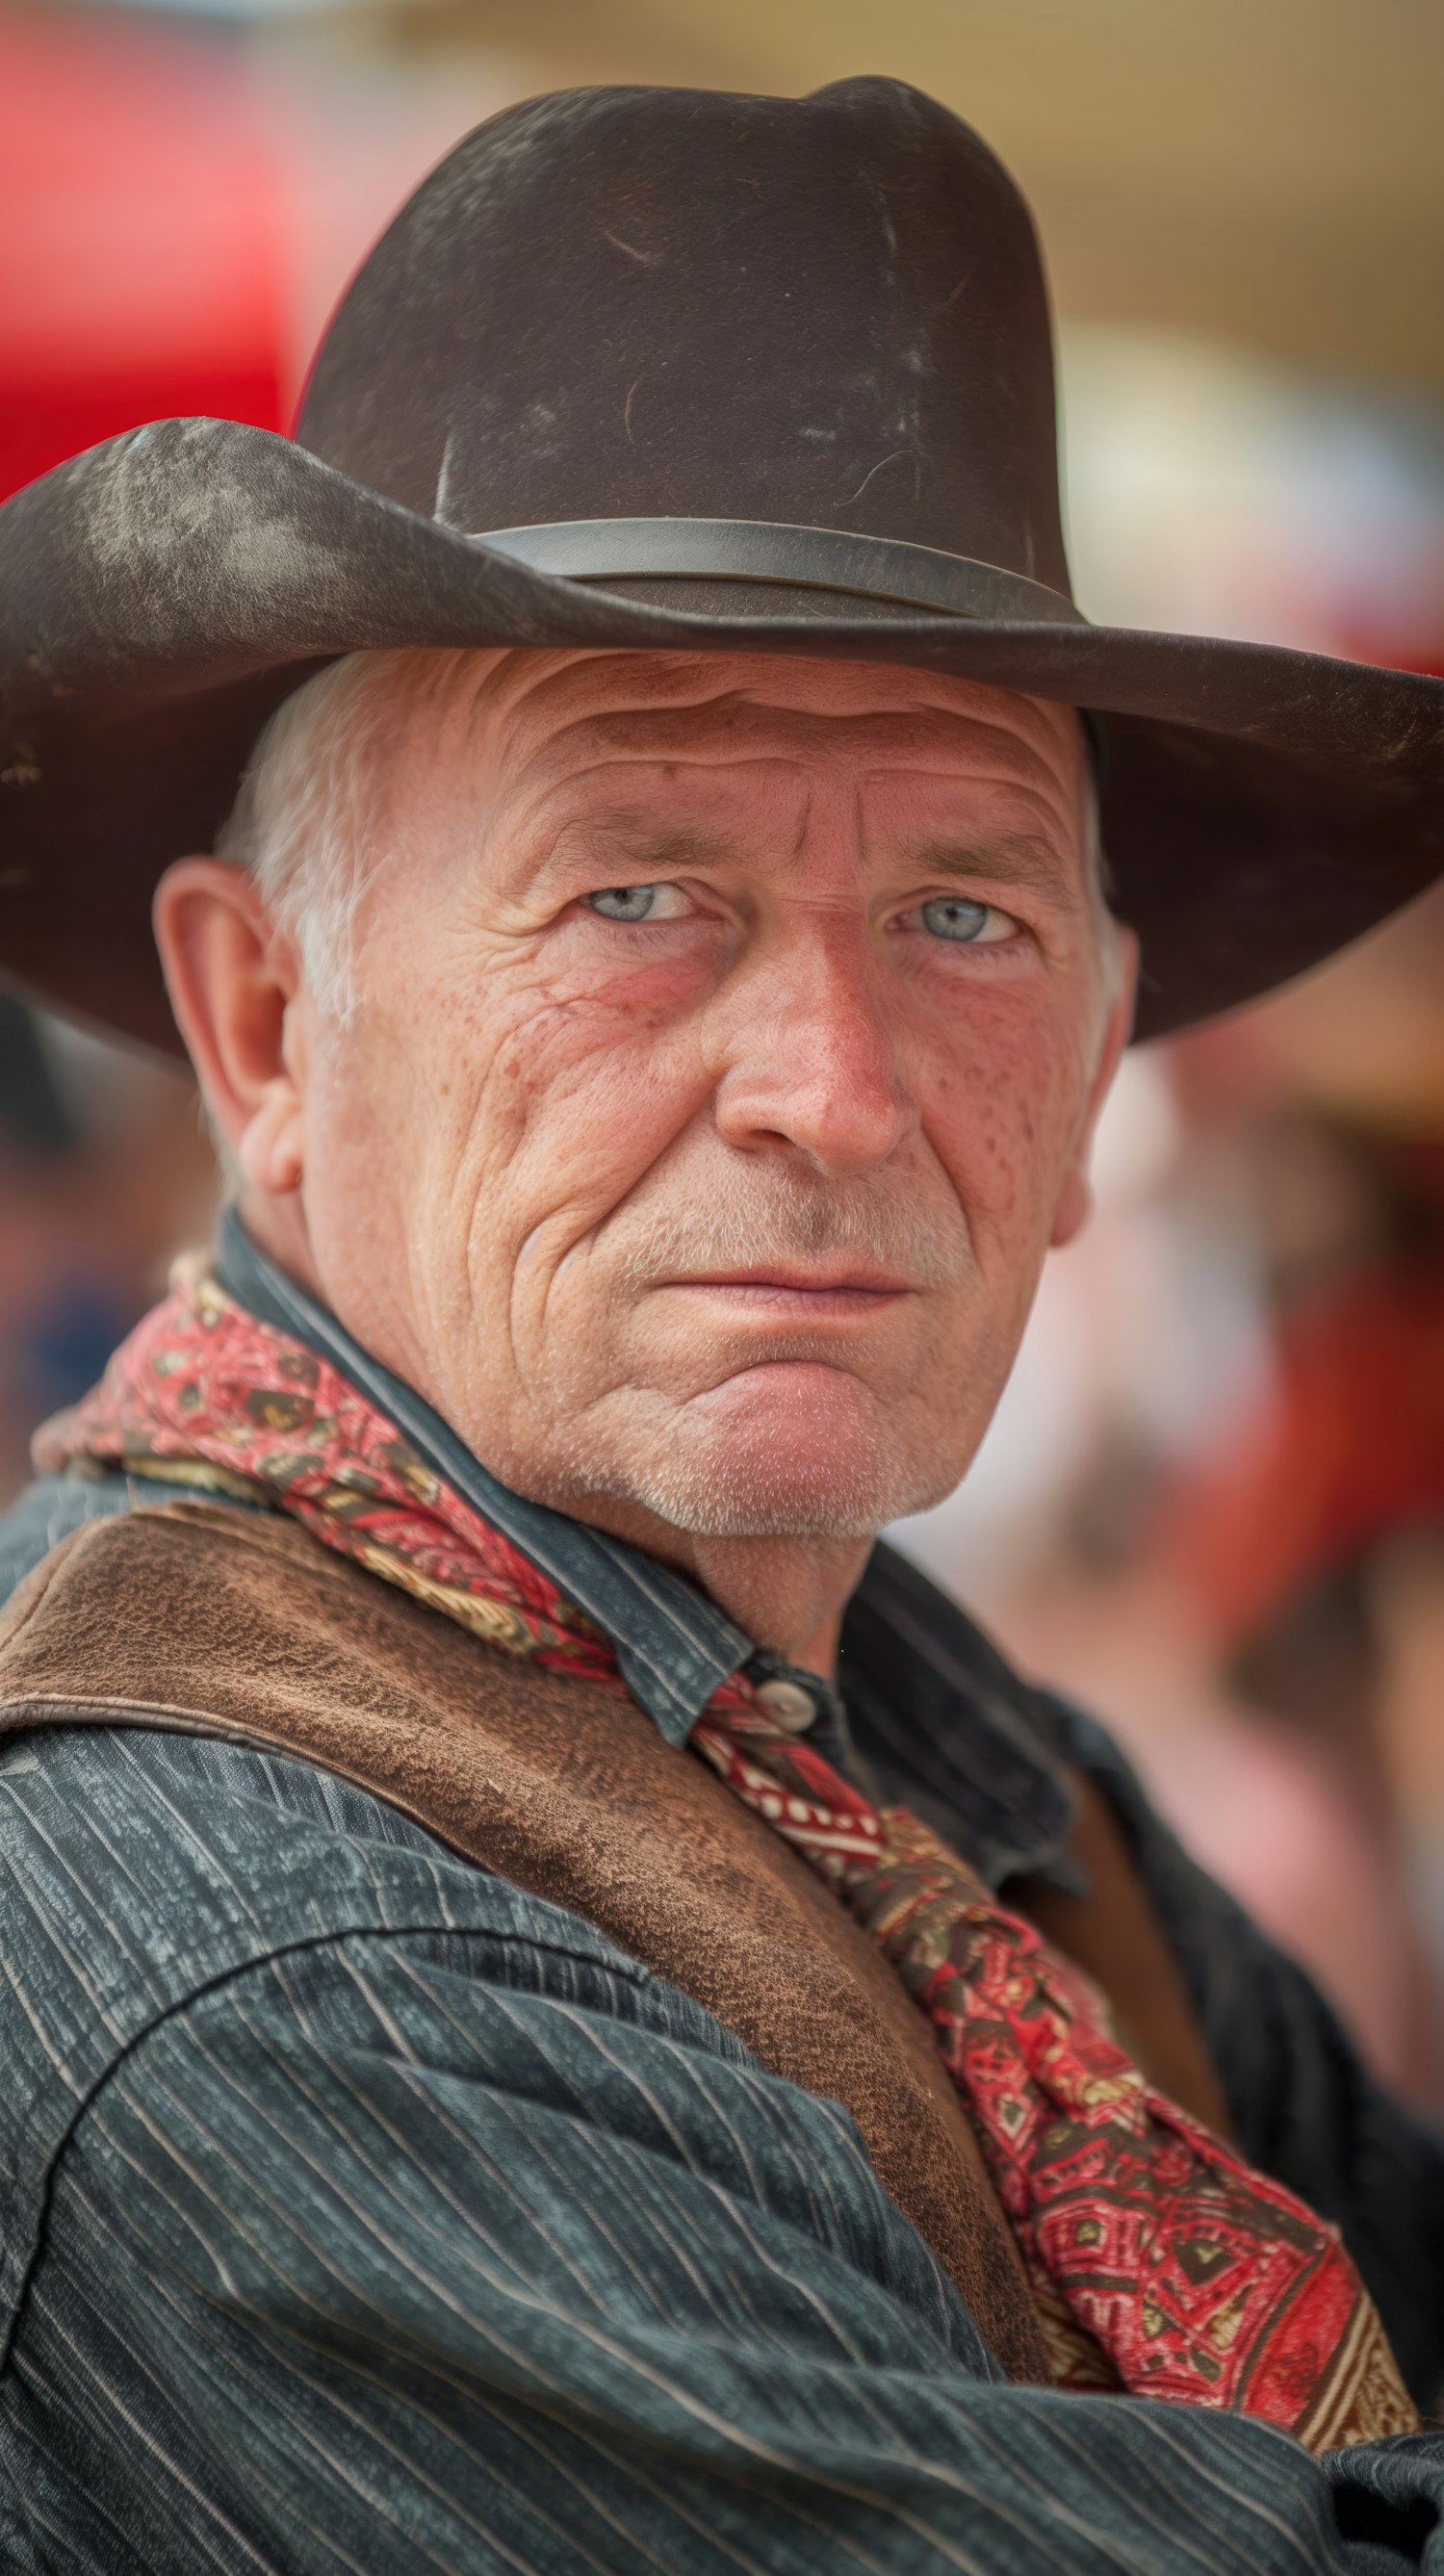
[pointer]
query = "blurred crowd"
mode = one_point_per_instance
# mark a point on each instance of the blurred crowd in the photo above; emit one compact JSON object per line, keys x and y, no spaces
{"x":1212,"y":1504}
{"x":105,"y":1172}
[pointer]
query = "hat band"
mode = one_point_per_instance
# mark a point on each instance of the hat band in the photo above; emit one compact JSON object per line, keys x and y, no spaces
{"x":802,"y":558}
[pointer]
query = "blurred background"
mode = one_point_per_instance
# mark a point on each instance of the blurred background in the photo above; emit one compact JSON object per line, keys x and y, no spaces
{"x":1212,"y":1505}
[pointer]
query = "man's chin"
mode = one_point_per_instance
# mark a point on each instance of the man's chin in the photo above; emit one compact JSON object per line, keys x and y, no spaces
{"x":779,"y":1514}
{"x":828,"y":1470}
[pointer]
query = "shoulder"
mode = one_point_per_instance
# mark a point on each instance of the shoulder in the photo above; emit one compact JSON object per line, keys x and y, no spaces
{"x":145,"y":1876}
{"x":47,"y":1512}
{"x":156,"y":1828}
{"x":139,"y":1868}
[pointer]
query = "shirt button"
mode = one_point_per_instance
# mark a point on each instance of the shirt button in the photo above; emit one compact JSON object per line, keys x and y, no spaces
{"x":788,"y":1705}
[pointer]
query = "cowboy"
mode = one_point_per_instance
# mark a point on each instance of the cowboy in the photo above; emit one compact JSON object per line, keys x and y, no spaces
{"x":562,"y":2008}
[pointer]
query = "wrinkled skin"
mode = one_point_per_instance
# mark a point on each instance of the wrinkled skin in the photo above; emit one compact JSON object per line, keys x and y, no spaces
{"x":716,"y":1225}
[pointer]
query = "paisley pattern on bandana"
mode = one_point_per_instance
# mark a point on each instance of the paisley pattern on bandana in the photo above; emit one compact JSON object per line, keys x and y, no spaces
{"x":204,"y":1396}
{"x":1160,"y":2263}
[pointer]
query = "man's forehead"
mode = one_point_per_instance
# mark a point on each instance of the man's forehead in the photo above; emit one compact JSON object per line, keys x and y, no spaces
{"x":561,"y":712}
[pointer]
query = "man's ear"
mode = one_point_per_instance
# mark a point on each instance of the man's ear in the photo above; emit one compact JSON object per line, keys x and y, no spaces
{"x":1075,"y":1200}
{"x":233,"y":980}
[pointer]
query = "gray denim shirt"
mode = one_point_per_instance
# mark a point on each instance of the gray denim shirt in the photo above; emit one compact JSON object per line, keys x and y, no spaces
{"x":361,"y":2212}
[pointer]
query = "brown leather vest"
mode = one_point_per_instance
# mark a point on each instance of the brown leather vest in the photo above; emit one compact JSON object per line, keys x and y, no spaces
{"x":214,"y":1622}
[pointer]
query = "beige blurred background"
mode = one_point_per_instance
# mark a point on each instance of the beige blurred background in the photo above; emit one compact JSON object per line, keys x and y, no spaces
{"x":1212,"y":1506}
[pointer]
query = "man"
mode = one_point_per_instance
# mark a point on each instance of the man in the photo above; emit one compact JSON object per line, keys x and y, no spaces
{"x":563,"y":2011}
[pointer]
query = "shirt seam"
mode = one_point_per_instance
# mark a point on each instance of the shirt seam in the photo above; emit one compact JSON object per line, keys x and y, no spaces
{"x":161,"y":1717}
{"x":631,"y":1970}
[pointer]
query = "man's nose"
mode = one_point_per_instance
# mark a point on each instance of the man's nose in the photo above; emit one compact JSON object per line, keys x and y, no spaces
{"x":813,"y":1057}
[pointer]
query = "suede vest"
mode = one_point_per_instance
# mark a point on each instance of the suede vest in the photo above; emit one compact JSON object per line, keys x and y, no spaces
{"x":209,"y":1621}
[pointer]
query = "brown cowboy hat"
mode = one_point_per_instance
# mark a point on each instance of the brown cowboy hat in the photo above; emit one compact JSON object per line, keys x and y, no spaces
{"x":669,"y":368}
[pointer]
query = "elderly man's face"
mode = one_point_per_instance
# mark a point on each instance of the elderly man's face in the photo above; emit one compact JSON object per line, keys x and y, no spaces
{"x":726,"y":1045}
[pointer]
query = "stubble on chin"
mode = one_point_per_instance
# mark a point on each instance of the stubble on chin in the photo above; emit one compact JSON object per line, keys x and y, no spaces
{"x":707,"y":1476}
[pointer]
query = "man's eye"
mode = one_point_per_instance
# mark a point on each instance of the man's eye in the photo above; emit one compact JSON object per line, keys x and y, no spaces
{"x":638,"y":902}
{"x":972,"y":925}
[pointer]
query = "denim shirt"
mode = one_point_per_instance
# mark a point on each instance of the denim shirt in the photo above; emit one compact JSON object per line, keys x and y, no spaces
{"x":361,"y":2211}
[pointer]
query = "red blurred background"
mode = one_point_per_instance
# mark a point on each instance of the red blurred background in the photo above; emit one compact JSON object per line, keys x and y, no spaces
{"x":141,"y":213}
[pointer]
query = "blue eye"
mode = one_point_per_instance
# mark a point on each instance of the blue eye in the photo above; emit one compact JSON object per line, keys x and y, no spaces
{"x":624,"y":903}
{"x":952,"y":916}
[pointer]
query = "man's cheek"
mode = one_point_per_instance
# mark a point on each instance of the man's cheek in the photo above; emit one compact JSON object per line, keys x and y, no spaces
{"x":562,"y":1157}
{"x":553,"y":1031}
{"x":593,"y":989}
{"x":570,"y":1059}
{"x":1002,"y":1124}
{"x":600,"y":1133}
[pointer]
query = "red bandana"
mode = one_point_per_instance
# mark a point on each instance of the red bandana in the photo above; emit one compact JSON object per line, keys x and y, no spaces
{"x":1161,"y":2264}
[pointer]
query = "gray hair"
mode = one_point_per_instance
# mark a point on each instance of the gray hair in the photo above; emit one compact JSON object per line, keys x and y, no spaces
{"x":305,"y":823}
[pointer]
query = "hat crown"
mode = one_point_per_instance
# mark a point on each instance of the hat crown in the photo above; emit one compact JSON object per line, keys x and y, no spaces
{"x":648,"y":304}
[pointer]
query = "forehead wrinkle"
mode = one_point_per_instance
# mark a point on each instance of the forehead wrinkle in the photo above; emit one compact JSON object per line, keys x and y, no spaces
{"x":549,"y":781}
{"x":728,"y":725}
{"x":1036,"y":783}
{"x":532,"y":798}
{"x":542,"y":763}
{"x":736,"y":729}
{"x":640,"y":677}
{"x":708,"y":703}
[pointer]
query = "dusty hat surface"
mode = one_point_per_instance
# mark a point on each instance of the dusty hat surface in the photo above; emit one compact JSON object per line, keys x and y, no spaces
{"x":664,"y":369}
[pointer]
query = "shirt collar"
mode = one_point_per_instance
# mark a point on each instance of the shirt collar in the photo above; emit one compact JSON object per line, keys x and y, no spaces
{"x":938,"y":1720}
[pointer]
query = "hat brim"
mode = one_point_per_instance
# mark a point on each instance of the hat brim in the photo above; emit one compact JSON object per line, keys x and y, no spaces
{"x":160,"y":595}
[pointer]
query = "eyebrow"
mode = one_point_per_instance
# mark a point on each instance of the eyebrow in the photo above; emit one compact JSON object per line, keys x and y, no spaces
{"x":638,"y":848}
{"x":1015,"y":858}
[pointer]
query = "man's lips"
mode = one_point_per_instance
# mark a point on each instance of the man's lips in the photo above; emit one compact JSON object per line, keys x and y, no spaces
{"x":844,"y":1295}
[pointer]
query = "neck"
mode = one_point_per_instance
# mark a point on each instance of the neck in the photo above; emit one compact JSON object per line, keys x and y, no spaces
{"x":787,"y":1593}
{"x":277,"y":1226}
